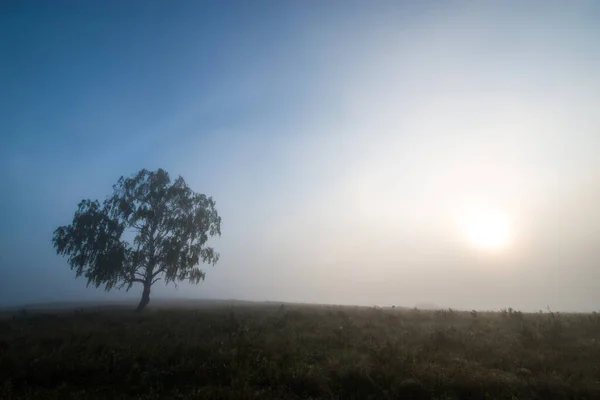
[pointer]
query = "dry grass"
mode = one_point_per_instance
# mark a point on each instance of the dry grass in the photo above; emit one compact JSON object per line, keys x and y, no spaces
{"x":298,"y":352}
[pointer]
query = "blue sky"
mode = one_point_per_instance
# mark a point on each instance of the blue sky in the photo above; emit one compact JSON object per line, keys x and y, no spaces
{"x":341,"y":141}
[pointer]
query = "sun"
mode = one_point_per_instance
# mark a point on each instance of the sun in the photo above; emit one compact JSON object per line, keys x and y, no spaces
{"x":488,"y":229}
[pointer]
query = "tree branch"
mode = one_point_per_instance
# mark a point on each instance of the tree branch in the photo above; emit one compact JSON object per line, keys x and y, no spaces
{"x":162,"y":234}
{"x":160,"y":271}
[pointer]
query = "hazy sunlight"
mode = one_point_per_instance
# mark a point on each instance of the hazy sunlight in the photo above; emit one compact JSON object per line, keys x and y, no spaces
{"x":488,"y":229}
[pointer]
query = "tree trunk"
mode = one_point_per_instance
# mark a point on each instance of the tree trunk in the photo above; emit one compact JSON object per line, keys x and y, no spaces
{"x":145,"y":298}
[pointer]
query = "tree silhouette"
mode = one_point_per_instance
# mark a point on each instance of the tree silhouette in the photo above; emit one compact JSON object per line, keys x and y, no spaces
{"x":168,"y":226}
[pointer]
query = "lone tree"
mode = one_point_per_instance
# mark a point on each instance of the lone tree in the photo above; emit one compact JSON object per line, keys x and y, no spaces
{"x":167,"y":224}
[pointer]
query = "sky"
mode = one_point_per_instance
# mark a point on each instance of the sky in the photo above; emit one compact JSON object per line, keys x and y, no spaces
{"x":348,"y":144}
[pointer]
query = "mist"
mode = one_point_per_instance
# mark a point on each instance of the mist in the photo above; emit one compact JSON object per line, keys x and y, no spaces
{"x":344,"y":144}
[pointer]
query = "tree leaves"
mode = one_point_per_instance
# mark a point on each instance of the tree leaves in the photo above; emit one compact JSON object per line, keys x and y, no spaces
{"x":170,"y":222}
{"x":93,"y":244}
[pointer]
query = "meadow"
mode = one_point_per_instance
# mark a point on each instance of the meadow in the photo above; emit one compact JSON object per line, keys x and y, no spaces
{"x":287,"y":351}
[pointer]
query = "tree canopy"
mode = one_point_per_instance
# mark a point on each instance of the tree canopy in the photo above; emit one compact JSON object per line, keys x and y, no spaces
{"x":149,"y":229}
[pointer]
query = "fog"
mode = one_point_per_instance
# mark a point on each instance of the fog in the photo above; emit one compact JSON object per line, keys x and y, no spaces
{"x":344,"y":144}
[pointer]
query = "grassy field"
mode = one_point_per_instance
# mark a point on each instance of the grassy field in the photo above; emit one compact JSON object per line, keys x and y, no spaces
{"x":273,"y":351}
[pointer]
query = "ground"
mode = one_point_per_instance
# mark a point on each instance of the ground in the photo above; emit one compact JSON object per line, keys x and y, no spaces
{"x":276,"y":351}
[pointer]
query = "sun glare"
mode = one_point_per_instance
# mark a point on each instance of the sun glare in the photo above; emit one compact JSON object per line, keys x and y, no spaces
{"x":489,"y":230}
